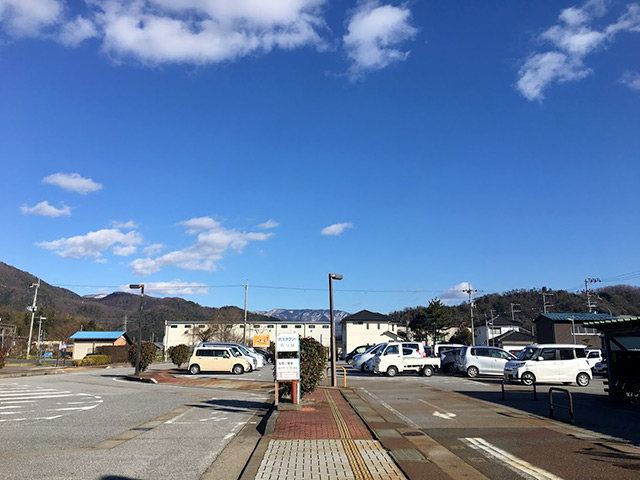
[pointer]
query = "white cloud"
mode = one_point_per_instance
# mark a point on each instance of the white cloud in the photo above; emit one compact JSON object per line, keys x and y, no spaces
{"x":455,"y":294}
{"x":268,"y":225}
{"x":124,"y":251}
{"x":28,"y":18}
{"x":130,"y":225}
{"x":73,"y":182}
{"x":207,"y":31}
{"x":212,"y":242}
{"x":153,"y":249}
{"x":375,"y":32}
{"x":573,"y":39}
{"x":631,"y":80}
{"x":47,"y":210}
{"x":174,"y":287}
{"x":336,"y":228}
{"x":92,"y":244}
{"x":78,"y":30}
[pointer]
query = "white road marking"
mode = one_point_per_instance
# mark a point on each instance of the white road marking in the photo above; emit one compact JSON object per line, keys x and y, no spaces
{"x":512,"y":462}
{"x":402,"y":417}
{"x":446,"y":415}
{"x":25,"y":403}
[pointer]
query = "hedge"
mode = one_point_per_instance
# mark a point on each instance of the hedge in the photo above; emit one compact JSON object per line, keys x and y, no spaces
{"x":118,"y":354}
{"x":90,"y":360}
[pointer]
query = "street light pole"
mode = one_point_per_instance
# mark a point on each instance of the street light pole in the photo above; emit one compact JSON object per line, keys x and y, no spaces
{"x":40,"y":318}
{"x":334,"y":380}
{"x":140,"y":286}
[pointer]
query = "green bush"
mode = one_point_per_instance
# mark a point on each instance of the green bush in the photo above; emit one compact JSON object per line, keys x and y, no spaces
{"x":313,"y":358}
{"x":179,"y":354}
{"x":118,"y":354}
{"x":91,"y":360}
{"x":3,"y":357}
{"x":147,"y":355}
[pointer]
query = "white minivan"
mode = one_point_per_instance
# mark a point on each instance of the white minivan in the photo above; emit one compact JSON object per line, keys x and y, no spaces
{"x":552,"y":363}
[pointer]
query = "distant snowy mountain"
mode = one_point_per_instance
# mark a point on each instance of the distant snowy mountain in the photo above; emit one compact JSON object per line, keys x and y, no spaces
{"x":307,"y":316}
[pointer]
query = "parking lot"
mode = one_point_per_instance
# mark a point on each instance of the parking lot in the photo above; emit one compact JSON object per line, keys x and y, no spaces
{"x":500,"y":438}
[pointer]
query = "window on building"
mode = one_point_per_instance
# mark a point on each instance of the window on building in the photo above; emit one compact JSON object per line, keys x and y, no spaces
{"x":174,"y":326}
{"x":312,"y":326}
{"x":187,"y":326}
{"x":202,"y":326}
{"x":256,"y":326}
{"x":367,"y":326}
{"x":298,"y":326}
{"x":284,"y":326}
{"x":358,"y":323}
{"x":378,"y":326}
{"x":269,"y":326}
{"x":325,"y":326}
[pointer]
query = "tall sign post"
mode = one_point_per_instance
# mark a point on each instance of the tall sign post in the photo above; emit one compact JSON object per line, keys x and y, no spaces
{"x":288,"y":369}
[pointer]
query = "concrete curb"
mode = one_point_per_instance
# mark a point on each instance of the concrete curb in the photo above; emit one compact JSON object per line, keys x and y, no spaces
{"x":242,"y":456}
{"x":133,"y":378}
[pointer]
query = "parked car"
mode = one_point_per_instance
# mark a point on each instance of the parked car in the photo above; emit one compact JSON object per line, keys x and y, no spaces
{"x":359,"y":360}
{"x":439,"y":348}
{"x":217,"y":359}
{"x":448,"y":359}
{"x":601,"y":368}
{"x":356,"y":351}
{"x":258,"y":360}
{"x":268,"y":356}
{"x":482,"y":360}
{"x":594,"y":355}
{"x":553,"y":363}
{"x":398,"y":357}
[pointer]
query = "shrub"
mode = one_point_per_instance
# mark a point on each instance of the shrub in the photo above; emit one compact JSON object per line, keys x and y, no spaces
{"x":147,"y":354}
{"x":118,"y":354}
{"x":3,"y":357}
{"x":179,"y":354}
{"x":90,"y":360}
{"x":313,"y":358}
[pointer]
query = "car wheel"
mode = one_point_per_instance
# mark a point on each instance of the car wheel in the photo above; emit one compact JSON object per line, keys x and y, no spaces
{"x":528,"y":378}
{"x":427,"y":371}
{"x":583,"y":379}
{"x":392,"y":371}
{"x":194,"y":369}
{"x":237,"y":369}
{"x":452,"y":368}
{"x":362,"y":367}
{"x":472,"y":372}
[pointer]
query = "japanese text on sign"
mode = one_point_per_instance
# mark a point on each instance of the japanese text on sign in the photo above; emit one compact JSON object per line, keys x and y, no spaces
{"x":287,"y":369}
{"x":288,"y":342}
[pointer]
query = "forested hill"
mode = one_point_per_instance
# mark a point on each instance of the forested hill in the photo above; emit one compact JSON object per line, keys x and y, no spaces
{"x":528,"y":304}
{"x":66,"y":312}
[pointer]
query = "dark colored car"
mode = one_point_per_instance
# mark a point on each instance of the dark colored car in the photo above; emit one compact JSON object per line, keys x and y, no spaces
{"x":356,"y":351}
{"x":268,"y":356}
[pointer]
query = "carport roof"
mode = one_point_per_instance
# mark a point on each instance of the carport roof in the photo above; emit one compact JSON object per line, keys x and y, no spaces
{"x":614,"y":322}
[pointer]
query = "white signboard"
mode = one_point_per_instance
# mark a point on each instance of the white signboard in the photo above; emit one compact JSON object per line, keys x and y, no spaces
{"x":287,"y":369}
{"x":288,"y":342}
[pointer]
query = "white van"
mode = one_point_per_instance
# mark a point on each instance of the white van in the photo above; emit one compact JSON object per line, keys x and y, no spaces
{"x":552,"y":363}
{"x":217,"y":359}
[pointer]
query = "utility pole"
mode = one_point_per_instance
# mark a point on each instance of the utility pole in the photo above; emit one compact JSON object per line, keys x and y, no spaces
{"x":545,"y":304}
{"x":40,"y":318}
{"x":492,"y":319}
{"x":513,"y":311}
{"x":587,"y":281}
{"x":33,"y":314}
{"x":470,"y":291}
{"x":246,"y":288}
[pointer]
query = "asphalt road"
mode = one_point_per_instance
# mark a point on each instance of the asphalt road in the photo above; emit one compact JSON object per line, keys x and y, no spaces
{"x":96,"y":425}
{"x":512,"y":438}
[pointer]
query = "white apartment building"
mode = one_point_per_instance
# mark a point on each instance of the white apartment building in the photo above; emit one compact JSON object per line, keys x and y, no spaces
{"x":185,"y":332}
{"x":485,"y":332}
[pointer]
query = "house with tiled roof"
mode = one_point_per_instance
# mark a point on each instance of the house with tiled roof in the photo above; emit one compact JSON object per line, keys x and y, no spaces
{"x":569,"y":328}
{"x":367,"y":328}
{"x":87,"y":342}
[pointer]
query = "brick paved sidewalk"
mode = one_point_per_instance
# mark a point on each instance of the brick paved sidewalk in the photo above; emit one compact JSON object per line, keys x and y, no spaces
{"x":325,"y":439}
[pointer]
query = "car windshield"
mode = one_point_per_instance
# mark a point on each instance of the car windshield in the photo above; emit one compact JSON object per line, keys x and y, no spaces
{"x":236,"y":352}
{"x":371,"y":349}
{"x":529,"y":353}
{"x":377,"y":349}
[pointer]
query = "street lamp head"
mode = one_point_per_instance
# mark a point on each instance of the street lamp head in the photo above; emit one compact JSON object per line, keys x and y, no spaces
{"x":136,"y":285}
{"x":336,"y":276}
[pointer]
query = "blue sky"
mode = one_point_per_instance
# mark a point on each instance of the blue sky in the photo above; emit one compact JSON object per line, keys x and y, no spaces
{"x":414,"y":147}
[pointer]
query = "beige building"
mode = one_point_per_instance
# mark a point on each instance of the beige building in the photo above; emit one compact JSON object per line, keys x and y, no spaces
{"x":367,"y":328}
{"x":185,"y":332}
{"x":87,"y":342}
